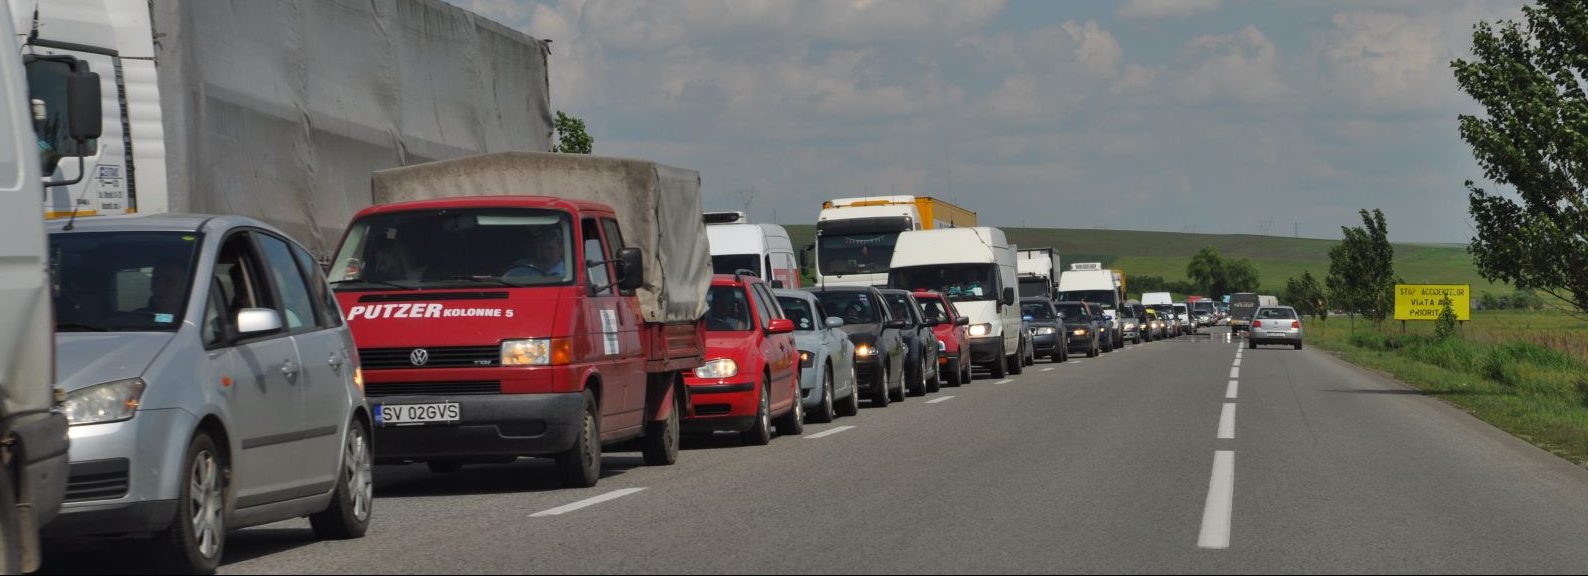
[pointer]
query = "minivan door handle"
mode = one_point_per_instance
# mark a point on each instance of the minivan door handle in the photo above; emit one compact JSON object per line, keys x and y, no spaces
{"x":290,"y":370}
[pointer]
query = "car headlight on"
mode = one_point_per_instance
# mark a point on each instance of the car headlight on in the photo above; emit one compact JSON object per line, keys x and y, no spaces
{"x":108,"y":402}
{"x":1046,"y":330}
{"x":537,"y":352}
{"x":981,"y":329}
{"x":864,"y":350}
{"x":1080,"y":332}
{"x":806,"y":359}
{"x":719,"y":368}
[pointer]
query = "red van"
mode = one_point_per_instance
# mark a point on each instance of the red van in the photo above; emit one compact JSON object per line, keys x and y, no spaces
{"x":751,"y":374}
{"x":497,"y":326}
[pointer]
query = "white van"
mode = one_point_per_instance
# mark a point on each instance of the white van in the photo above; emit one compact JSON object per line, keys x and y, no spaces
{"x":975,"y":269}
{"x":763,"y":249}
{"x":1157,"y":299}
{"x":1091,"y":282}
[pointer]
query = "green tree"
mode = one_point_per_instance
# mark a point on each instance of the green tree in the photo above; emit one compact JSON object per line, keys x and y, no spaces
{"x":1362,"y":269}
{"x":1445,"y":327}
{"x":1533,"y":137}
{"x":571,"y":136}
{"x":1206,"y":270}
{"x":1239,"y":276}
{"x":1307,"y":296}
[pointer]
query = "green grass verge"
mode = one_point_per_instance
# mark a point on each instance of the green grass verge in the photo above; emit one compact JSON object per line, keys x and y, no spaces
{"x":1534,"y":391}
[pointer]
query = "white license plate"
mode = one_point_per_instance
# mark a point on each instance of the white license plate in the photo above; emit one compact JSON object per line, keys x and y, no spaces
{"x":1278,"y":334}
{"x":414,"y":414}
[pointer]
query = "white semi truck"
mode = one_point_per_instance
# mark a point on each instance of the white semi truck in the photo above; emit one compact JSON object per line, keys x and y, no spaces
{"x":279,"y":110}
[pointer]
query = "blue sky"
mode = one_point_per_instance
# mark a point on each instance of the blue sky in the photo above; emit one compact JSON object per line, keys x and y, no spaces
{"x":1179,"y":115}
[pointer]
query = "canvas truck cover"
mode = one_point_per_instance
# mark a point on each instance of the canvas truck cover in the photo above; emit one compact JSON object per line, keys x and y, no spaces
{"x":280,"y":110}
{"x":658,"y":208}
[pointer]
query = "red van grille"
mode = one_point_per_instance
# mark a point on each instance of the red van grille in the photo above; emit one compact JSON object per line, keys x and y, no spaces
{"x":436,"y":357}
{"x":378,"y":389}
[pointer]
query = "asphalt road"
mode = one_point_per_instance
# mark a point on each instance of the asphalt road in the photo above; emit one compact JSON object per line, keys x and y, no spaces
{"x":1113,"y":464}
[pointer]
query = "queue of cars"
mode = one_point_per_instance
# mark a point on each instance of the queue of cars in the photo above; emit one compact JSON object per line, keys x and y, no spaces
{"x":217,"y":376}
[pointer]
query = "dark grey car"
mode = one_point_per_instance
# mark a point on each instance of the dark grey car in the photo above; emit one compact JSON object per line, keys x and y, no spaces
{"x":1048,"y":336}
{"x":879,"y":345}
{"x":920,"y":370}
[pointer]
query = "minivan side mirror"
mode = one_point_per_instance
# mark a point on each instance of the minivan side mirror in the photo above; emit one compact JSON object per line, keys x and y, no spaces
{"x":251,"y":321}
{"x":835,"y":322}
{"x":631,"y":269}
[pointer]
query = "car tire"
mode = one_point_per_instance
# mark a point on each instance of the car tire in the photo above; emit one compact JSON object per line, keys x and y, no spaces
{"x":10,"y":527}
{"x":851,"y":404}
{"x":1000,"y":368}
{"x":881,"y":394}
{"x":1251,"y":343}
{"x":898,"y":395}
{"x":917,"y":384}
{"x":954,"y":373}
{"x":660,"y":445}
{"x":1017,"y":363}
{"x":825,"y":412}
{"x":580,"y":465}
{"x":1298,"y":345}
{"x":964,"y":368}
{"x":935,"y":383}
{"x":353,"y":503}
{"x":760,"y":433}
{"x":1092,"y":352}
{"x":183,"y":544}
{"x":792,"y":423}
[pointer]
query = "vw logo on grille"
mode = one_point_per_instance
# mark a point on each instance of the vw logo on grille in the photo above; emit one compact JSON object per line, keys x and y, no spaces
{"x":419,"y":357}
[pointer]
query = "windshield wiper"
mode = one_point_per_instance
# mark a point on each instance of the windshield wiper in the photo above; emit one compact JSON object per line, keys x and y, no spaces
{"x":79,"y":327}
{"x":375,"y":283}
{"x":492,"y":280}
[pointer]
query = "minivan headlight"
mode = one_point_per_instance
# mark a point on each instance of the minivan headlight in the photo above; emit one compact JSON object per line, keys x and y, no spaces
{"x":536,"y":351}
{"x":719,"y":368}
{"x":981,"y":329}
{"x":108,"y":402}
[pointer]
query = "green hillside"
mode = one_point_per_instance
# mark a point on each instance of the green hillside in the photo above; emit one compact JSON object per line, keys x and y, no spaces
{"x":1166,"y":253}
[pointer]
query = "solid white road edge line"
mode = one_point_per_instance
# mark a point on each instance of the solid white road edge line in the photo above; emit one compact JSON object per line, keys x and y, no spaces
{"x":1229,"y":393}
{"x":1227,"y":422}
{"x":936,"y":400}
{"x":829,"y":432}
{"x":564,"y":509}
{"x":1221,"y":501}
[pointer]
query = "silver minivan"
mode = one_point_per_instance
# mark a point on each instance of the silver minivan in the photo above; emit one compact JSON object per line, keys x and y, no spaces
{"x":211,"y":385}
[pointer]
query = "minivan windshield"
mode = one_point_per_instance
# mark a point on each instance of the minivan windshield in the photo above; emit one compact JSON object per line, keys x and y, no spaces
{"x":1106,"y":298}
{"x":121,"y":281}
{"x":456,"y":247}
{"x":733,"y":263}
{"x":958,"y":282}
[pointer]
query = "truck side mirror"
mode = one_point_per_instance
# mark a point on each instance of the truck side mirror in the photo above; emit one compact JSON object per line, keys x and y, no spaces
{"x":1009,"y":296}
{"x":777,"y":284}
{"x":83,"y":108}
{"x":631,"y":269}
{"x":805,"y":255}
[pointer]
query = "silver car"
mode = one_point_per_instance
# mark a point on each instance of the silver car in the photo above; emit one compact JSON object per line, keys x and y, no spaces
{"x":827,"y":357}
{"x":1275,"y":325}
{"x":211,"y":385}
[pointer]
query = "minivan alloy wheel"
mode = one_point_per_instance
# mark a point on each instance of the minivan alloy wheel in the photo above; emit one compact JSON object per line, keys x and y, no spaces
{"x":205,"y":494}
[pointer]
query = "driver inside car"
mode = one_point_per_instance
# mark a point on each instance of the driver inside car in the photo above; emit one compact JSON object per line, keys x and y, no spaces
{"x":546,"y":259}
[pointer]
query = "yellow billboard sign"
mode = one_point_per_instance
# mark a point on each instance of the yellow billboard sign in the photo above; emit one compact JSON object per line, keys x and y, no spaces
{"x":1424,"y":301}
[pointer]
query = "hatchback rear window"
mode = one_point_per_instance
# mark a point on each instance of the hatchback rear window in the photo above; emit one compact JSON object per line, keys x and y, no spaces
{"x":1276,"y":314}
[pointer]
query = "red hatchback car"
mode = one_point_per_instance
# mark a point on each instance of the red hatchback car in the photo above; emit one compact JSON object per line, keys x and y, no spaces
{"x":953,"y":336}
{"x":751,"y":375}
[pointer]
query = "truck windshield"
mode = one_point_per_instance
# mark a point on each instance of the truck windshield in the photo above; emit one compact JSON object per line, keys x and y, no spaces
{"x":727,"y":310}
{"x":855,"y":253}
{"x":121,"y":281}
{"x":456,"y":247}
{"x":959,"y":282}
{"x":1106,"y":298}
{"x":733,"y":263}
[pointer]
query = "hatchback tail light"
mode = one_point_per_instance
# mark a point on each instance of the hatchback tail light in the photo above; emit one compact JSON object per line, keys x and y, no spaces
{"x":1257,"y":323}
{"x":1295,"y":324}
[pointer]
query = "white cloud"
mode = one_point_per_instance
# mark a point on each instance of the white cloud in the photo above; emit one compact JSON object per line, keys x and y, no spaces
{"x":1240,"y":67}
{"x":1396,"y":61}
{"x":1145,"y":9}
